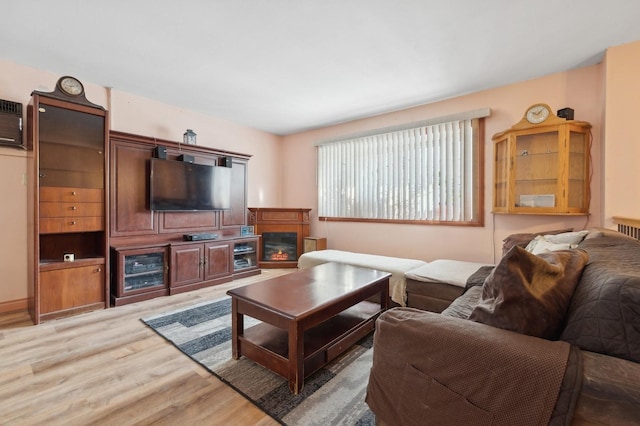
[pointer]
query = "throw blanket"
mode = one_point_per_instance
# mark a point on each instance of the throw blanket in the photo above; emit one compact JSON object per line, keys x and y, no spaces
{"x":460,"y":373}
{"x":478,"y":277}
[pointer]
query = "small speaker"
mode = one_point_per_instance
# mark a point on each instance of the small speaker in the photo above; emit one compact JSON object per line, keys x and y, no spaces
{"x":566,"y":113}
{"x":314,"y":244}
{"x":160,"y":152}
{"x":225,"y":162}
{"x":186,"y":158}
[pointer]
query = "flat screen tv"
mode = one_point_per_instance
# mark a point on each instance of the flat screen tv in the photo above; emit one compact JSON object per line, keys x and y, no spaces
{"x":182,"y":186}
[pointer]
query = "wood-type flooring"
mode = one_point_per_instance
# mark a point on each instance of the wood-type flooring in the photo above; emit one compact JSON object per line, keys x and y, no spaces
{"x":108,"y":368}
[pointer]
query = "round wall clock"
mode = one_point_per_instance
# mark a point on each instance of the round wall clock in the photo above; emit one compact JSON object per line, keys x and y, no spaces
{"x":536,"y":114}
{"x":71,"y":86}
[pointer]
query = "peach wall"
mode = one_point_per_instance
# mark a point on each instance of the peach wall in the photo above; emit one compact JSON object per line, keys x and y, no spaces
{"x":581,"y":89}
{"x":129,"y":113}
{"x":135,"y":114}
{"x":622,"y":150}
{"x":282,"y":170}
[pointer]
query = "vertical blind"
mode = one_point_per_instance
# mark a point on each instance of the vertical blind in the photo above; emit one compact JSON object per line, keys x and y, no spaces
{"x":423,"y":173}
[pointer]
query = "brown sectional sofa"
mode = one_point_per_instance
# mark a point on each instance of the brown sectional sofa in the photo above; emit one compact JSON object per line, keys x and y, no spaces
{"x":431,"y":368}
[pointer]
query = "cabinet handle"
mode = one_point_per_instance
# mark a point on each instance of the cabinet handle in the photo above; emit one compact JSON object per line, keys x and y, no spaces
{"x":73,"y":222}
{"x":99,"y":270}
{"x":74,"y":208}
{"x":73,"y":192}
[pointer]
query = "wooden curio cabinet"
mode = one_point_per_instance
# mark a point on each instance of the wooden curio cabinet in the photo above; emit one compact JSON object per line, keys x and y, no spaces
{"x":67,"y":166}
{"x":542,"y":167}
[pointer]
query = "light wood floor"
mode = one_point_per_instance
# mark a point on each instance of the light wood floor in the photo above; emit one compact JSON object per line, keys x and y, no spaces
{"x":108,"y":368}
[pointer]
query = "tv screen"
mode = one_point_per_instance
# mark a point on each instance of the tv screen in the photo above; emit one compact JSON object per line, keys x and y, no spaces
{"x":181,"y":186}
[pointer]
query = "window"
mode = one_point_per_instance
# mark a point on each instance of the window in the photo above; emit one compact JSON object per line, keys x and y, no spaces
{"x":429,"y":172}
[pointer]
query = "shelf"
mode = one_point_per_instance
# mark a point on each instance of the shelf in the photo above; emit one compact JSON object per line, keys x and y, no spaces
{"x":156,"y":279}
{"x":536,"y":180}
{"x":52,"y":265}
{"x":536,"y":154}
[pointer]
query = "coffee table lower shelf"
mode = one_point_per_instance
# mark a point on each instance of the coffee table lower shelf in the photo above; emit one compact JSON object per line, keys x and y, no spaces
{"x":269,"y":345}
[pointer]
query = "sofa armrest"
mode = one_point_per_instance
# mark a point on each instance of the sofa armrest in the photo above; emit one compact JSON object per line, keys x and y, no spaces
{"x":456,"y":371}
{"x":610,"y":391}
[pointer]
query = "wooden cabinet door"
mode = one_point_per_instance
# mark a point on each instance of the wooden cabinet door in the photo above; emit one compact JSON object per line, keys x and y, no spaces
{"x":65,"y":289}
{"x":187,"y":264}
{"x":130,"y":214}
{"x":218,"y":260}
{"x":237,"y":215}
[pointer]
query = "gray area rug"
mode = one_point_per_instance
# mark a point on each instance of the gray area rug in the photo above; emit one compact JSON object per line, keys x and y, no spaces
{"x":334,"y":395}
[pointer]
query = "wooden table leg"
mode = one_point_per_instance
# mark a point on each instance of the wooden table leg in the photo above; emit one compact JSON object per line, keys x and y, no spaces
{"x":237,"y":328}
{"x":296,"y":357}
{"x":384,"y":295}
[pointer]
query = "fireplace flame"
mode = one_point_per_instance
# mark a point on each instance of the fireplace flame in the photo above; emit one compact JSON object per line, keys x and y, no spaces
{"x":279,"y":256}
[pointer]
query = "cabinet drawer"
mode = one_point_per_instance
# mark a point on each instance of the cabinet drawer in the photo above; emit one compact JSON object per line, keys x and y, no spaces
{"x":73,"y":287}
{"x":51,"y":209}
{"x":49,"y":225}
{"x":58,"y":194}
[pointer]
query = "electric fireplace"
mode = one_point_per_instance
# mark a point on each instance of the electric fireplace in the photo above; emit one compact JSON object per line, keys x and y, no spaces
{"x":279,"y":246}
{"x":283,"y":231}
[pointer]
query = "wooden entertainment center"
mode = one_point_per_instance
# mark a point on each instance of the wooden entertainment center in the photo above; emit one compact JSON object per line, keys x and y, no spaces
{"x":95,"y":242}
{"x":154,"y":240}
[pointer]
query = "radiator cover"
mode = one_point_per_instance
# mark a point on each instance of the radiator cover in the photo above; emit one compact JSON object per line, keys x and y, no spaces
{"x":11,"y":124}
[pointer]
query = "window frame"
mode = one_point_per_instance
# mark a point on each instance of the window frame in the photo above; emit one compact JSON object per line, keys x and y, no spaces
{"x":478,"y":180}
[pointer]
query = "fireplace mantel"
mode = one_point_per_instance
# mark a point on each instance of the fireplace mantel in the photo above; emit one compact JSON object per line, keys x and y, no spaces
{"x":280,"y":223}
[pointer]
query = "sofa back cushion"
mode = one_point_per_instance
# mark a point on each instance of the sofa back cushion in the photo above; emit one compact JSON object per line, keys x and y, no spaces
{"x":530,"y":294}
{"x":523,"y":239}
{"x":604,"y":315}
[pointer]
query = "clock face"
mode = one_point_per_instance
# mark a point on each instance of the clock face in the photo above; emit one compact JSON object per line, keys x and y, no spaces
{"x":71,"y":86}
{"x":537,"y":114}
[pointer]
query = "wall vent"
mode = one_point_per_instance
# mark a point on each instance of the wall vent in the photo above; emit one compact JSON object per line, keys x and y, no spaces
{"x":628,"y":226}
{"x":8,"y":107}
{"x":11,"y":124}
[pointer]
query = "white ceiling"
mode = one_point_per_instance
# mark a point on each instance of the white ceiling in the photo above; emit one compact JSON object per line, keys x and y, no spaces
{"x":284,"y":66}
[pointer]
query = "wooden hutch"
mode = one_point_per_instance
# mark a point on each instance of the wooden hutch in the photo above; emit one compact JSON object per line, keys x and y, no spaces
{"x":67,"y":199}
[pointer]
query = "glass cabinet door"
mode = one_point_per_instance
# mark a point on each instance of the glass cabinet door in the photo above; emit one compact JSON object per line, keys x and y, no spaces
{"x":501,"y":173}
{"x":141,"y":270}
{"x":578,"y":170}
{"x":245,"y":255}
{"x":536,"y":170}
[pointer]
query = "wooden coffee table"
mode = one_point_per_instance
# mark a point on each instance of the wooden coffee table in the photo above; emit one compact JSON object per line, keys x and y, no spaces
{"x":309,"y":317}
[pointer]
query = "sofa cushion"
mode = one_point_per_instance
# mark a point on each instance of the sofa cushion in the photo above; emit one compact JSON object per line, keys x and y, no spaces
{"x":604,"y":315}
{"x":522,"y":239}
{"x":553,"y":242}
{"x":530,"y":294}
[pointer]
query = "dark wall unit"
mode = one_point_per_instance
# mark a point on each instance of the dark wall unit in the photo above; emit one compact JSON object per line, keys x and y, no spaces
{"x":67,"y":166}
{"x":134,"y":225}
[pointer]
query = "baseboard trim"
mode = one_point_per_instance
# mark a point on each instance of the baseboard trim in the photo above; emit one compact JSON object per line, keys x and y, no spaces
{"x":14,"y":305}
